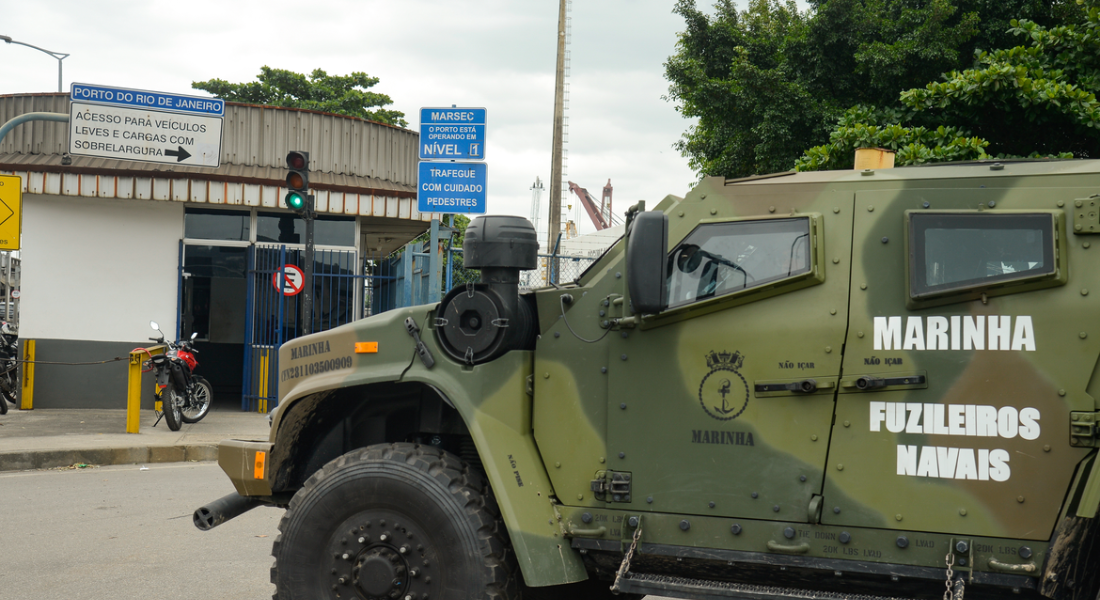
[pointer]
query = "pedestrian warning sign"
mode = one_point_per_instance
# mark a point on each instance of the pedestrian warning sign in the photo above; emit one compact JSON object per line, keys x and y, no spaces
{"x":11,"y":211}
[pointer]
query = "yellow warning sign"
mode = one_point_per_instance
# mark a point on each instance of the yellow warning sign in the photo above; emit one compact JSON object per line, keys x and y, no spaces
{"x":11,"y":211}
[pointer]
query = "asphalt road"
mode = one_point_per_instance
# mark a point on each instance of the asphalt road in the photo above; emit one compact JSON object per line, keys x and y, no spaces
{"x":125,"y":533}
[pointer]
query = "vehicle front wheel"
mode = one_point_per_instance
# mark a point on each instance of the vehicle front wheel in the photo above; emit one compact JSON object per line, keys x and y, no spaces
{"x":394,"y":521}
{"x":199,"y":403}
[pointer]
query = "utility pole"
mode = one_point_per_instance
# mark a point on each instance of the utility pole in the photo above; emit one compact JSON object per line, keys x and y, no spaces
{"x":559,"y":118}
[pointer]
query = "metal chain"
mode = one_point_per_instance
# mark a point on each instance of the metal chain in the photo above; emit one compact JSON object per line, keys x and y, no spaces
{"x":951,"y":593}
{"x":625,"y":566}
{"x":950,"y":573}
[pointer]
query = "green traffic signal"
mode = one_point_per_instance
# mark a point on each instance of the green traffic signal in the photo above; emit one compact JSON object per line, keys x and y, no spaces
{"x":294,"y":201}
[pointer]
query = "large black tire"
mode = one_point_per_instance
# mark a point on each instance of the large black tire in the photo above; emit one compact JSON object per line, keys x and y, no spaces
{"x":427,"y":521}
{"x":170,"y":403}
{"x":196,"y":406}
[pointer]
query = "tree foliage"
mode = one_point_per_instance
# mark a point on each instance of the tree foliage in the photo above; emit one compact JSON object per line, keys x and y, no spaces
{"x":768,"y":82}
{"x":1035,"y":99}
{"x":344,"y":95}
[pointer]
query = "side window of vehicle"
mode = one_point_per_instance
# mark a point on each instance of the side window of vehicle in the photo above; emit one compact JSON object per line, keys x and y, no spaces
{"x":722,"y":258}
{"x":959,"y":252}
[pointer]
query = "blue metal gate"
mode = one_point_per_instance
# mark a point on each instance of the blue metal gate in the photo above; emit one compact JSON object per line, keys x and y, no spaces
{"x":273,"y":317}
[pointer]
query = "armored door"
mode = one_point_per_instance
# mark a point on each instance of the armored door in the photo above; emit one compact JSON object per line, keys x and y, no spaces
{"x":966,"y":354}
{"x":721,"y":404}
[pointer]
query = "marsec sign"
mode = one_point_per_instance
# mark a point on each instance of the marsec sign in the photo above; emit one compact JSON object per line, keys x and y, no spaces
{"x":126,"y":124}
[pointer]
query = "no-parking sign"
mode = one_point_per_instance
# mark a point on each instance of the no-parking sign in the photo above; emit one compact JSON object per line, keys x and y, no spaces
{"x":288,"y":280}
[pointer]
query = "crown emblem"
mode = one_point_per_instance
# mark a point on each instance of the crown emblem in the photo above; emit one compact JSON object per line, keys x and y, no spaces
{"x":725,"y":360}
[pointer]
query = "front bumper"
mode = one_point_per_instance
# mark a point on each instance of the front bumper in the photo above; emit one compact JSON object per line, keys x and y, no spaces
{"x":245,"y":462}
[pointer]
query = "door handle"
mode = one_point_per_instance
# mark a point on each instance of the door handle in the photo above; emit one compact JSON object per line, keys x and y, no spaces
{"x":870,"y":382}
{"x":806,"y":386}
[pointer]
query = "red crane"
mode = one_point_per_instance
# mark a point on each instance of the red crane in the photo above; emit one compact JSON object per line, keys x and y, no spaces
{"x":600,"y":213}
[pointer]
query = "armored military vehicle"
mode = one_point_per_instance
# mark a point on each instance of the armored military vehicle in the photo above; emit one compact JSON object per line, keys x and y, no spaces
{"x":819,"y":385}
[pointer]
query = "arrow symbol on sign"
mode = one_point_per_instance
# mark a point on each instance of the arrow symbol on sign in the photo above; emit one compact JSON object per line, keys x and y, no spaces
{"x":181,"y":154}
{"x":6,"y":212}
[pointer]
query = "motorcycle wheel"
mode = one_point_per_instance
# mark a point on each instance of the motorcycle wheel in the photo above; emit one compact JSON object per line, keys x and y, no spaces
{"x":171,"y":401}
{"x":196,"y":407}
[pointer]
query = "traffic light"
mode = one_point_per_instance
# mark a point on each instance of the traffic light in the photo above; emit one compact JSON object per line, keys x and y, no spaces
{"x":297,"y":181}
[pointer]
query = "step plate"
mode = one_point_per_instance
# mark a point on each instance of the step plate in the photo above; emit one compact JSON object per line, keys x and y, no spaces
{"x":700,"y":589}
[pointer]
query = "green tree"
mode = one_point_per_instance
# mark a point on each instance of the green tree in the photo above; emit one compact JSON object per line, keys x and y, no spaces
{"x":344,"y":95}
{"x":1035,"y":99}
{"x":768,"y":82}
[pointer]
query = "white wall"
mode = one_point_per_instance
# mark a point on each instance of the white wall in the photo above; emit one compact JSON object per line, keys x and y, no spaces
{"x":98,"y":269}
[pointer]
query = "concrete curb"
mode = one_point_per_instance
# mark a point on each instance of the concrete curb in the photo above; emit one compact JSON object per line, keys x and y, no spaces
{"x":48,"y":459}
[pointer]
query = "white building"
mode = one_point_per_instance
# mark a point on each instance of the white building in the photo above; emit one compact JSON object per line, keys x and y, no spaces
{"x":108,"y":245}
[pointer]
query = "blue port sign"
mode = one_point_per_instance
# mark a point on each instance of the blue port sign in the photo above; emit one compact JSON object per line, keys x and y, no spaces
{"x":446,"y":187}
{"x":452,"y":133}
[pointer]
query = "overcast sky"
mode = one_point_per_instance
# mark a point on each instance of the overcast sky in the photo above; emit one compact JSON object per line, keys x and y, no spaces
{"x":497,"y":54}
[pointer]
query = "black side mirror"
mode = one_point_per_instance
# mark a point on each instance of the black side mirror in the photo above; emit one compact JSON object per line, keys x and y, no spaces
{"x":646,"y":245}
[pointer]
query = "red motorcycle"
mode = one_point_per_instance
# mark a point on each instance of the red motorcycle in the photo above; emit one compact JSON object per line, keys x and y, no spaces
{"x":184,"y":396}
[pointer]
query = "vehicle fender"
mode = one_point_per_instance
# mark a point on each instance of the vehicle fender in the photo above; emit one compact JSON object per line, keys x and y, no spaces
{"x":493,"y":401}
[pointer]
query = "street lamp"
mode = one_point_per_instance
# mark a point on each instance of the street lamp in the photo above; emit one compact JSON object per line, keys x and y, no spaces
{"x":58,"y":55}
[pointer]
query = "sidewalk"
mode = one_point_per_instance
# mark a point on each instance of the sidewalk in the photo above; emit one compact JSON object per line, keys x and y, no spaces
{"x":46,"y":438}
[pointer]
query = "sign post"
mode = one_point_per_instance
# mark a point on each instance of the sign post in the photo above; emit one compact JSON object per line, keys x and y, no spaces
{"x":11,"y":211}
{"x":127,"y":124}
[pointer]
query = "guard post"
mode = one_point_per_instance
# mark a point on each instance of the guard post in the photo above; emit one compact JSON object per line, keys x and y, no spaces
{"x":133,"y":385}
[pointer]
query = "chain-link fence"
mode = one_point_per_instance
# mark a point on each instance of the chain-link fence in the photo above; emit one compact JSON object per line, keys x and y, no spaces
{"x":550,"y":269}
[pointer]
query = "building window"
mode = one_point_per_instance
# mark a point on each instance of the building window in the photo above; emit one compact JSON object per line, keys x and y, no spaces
{"x":722,"y":258}
{"x":206,"y":224}
{"x":287,"y":228}
{"x":959,"y":251}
